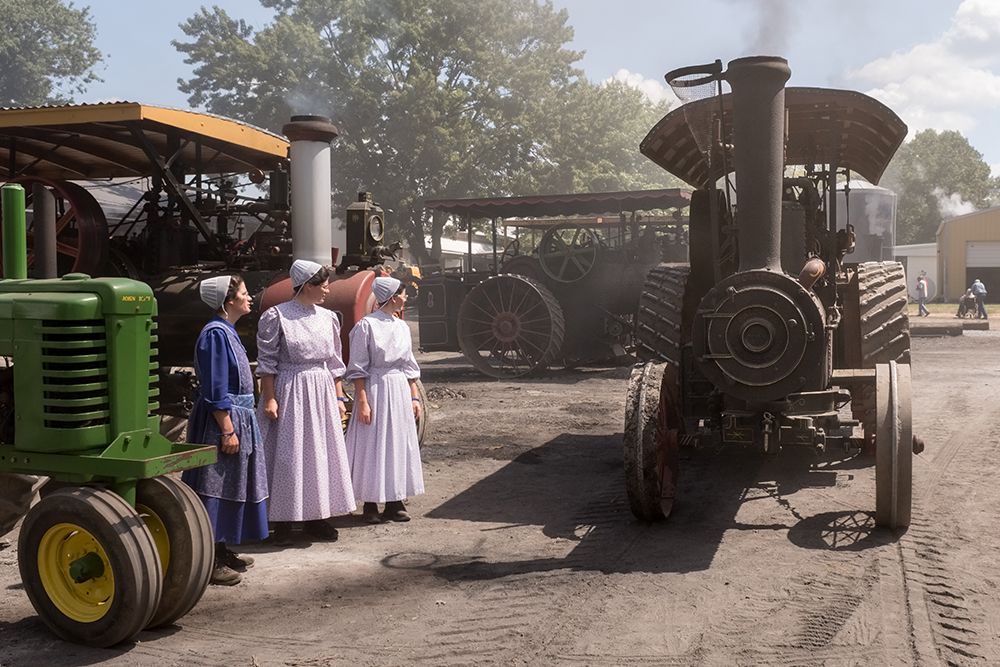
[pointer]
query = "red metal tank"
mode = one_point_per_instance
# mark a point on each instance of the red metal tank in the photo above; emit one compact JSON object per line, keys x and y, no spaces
{"x":350,"y":297}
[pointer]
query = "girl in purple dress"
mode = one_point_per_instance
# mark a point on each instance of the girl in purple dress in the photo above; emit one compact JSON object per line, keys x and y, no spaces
{"x":234,"y":489}
{"x":300,"y":364}
{"x":382,"y":436}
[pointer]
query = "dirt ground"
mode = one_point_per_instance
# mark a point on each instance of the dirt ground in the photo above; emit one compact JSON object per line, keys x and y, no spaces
{"x":523,"y":551}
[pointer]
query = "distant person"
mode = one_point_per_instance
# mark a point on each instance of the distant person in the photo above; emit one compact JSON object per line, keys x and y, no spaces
{"x":300,"y":365}
{"x":979,"y":290}
{"x":922,"y":295}
{"x":966,"y":304}
{"x":234,"y":489}
{"x":382,"y":436}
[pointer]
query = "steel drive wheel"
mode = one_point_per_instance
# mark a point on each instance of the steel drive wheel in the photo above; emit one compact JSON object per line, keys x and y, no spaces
{"x":182,"y":532}
{"x":89,"y":566}
{"x":660,"y":319}
{"x":893,"y":446}
{"x":652,"y":440}
{"x":509,"y":326}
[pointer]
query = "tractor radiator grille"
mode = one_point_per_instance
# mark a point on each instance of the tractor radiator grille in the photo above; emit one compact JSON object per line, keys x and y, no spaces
{"x":154,"y":370}
{"x":74,"y":359}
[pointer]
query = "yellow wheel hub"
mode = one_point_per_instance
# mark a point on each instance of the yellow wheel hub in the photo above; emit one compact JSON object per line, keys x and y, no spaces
{"x":76,"y":573}
{"x":159,"y":531}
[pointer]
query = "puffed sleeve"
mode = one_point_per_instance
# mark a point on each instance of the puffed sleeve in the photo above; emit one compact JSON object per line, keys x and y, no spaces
{"x":336,"y":363}
{"x":410,"y":368}
{"x":268,"y":342}
{"x":212,"y":351}
{"x":360,"y":360}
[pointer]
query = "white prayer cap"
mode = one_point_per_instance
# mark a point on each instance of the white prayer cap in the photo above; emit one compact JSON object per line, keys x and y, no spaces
{"x":213,"y":291}
{"x":302,"y":270}
{"x":384,"y":288}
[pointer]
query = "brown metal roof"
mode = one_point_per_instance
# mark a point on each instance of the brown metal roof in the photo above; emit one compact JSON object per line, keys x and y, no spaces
{"x":570,"y":204}
{"x":825,"y":126}
{"x":95,"y":141}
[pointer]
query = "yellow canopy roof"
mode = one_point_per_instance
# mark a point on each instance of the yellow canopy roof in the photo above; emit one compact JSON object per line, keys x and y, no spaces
{"x":95,"y":141}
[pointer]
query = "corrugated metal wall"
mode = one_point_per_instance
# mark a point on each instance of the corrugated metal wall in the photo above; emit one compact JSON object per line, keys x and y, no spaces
{"x":953,"y":239}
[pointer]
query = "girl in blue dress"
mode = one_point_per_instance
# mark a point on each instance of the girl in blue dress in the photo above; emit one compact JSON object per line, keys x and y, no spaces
{"x":234,"y":489}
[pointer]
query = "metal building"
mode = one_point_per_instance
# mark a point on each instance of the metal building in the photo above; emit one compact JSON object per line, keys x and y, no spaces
{"x":969,"y":248}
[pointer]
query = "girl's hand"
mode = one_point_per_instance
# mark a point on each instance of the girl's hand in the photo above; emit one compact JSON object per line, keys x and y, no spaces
{"x":417,"y":410}
{"x":343,"y":409}
{"x":364,"y":411}
{"x":271,"y":409}
{"x":230,"y":444}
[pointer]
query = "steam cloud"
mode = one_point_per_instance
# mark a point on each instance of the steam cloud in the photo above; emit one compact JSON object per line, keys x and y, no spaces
{"x":951,"y":205}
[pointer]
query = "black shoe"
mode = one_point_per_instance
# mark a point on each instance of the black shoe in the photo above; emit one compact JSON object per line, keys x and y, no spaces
{"x":320,"y":529}
{"x":370,"y":513}
{"x":395,"y":511}
{"x":238,"y":562}
{"x":282,"y":535}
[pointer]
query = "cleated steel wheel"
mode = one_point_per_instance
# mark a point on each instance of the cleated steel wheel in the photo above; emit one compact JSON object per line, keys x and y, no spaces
{"x":661,"y":314}
{"x":893,"y":446}
{"x":510,"y":326}
{"x":652,"y":440}
{"x":884,"y":328}
{"x":182,"y":532}
{"x":89,"y":566}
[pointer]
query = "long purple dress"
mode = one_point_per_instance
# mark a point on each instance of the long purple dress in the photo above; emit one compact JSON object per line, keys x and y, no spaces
{"x":234,"y":489}
{"x":308,"y":472}
{"x":385,"y":455}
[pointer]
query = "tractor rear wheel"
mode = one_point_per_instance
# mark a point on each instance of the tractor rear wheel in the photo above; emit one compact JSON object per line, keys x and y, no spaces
{"x":652,"y":440}
{"x":182,"y":532}
{"x":660,"y":319}
{"x":89,"y":566}
{"x":894,"y":446}
{"x":884,"y":327}
{"x":510,"y":326}
{"x":17,"y":492}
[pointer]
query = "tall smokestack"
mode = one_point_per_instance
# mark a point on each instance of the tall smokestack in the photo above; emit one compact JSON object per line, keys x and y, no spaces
{"x":758,"y":85}
{"x":312,"y":224}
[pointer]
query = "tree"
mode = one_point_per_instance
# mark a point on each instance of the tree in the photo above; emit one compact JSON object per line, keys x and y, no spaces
{"x":433,"y":98}
{"x":936,"y":176}
{"x":47,"y":50}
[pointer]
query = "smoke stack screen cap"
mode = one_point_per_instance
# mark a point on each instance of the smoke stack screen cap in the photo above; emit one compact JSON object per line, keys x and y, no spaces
{"x":310,"y":128}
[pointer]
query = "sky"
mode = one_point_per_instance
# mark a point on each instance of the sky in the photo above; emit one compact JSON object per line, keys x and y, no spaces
{"x":935,"y":63}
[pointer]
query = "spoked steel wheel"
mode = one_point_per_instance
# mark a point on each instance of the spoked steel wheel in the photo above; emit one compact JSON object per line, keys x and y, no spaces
{"x":652,"y":440}
{"x":509,"y":326}
{"x":89,"y":566}
{"x":893,"y":445}
{"x":568,"y":254}
{"x":182,"y":533}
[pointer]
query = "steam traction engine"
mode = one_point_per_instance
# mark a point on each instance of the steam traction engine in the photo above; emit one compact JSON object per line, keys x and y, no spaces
{"x":769,"y":335}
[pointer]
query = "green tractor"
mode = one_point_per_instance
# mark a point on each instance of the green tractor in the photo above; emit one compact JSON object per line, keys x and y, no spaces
{"x":114,"y":545}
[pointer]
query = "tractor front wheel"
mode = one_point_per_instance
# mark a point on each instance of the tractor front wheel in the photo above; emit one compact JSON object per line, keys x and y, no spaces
{"x":89,"y":566}
{"x":652,"y":440}
{"x":182,"y":532}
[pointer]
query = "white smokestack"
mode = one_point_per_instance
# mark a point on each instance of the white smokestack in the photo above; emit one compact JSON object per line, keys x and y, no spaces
{"x":312,"y":223}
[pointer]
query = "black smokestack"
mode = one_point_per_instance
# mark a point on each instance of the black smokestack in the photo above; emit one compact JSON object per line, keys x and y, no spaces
{"x":758,"y":85}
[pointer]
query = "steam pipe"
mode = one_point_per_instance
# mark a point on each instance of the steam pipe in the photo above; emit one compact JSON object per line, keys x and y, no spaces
{"x":758,"y":85}
{"x":43,"y":222}
{"x":15,"y":239}
{"x":309,"y":155}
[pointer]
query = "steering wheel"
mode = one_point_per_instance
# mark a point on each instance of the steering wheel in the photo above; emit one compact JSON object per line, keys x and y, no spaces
{"x":568,"y":253}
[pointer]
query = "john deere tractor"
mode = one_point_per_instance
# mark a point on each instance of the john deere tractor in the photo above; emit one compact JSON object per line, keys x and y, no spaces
{"x":114,"y":545}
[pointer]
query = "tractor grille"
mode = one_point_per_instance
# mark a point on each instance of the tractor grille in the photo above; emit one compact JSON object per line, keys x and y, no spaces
{"x":154,"y":370}
{"x":74,"y":359}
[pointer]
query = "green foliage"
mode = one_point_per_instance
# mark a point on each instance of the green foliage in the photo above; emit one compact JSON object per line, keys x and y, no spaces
{"x":47,"y":50}
{"x":934,"y":174}
{"x":433,"y":98}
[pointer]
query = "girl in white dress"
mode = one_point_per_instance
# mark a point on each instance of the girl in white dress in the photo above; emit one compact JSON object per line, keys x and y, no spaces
{"x":382,"y":435}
